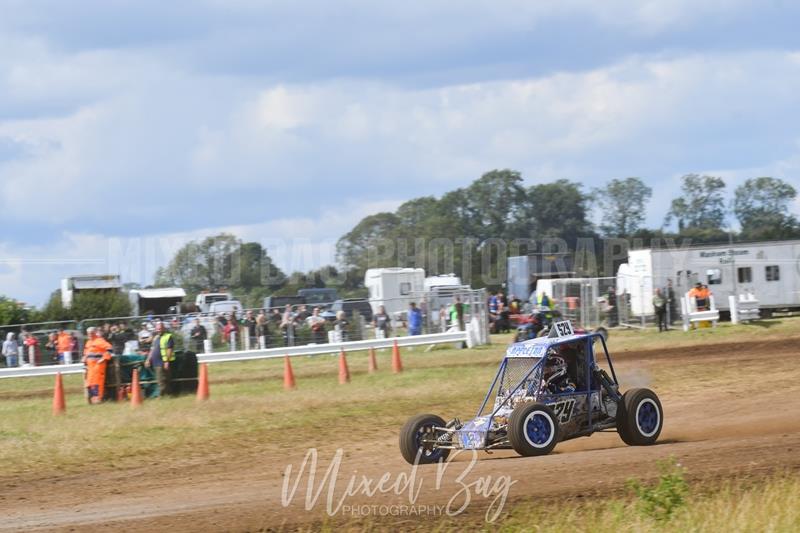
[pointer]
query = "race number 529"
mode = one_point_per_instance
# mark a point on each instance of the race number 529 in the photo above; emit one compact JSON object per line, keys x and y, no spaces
{"x":564,"y":328}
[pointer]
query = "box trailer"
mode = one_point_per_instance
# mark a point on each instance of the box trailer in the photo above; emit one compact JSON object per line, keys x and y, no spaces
{"x":769,"y":270}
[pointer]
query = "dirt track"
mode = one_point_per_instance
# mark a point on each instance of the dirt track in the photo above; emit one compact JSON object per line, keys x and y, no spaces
{"x":735,"y":414}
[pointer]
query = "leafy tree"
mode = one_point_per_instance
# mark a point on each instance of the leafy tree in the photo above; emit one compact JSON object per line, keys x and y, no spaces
{"x":12,"y":312}
{"x":496,"y":205}
{"x":418,"y":212}
{"x":701,"y":206}
{"x":252,"y":268}
{"x":201,"y":265}
{"x":223,"y":262}
{"x":370,"y":244}
{"x":559,"y":210}
{"x":99,"y":304}
{"x":762,"y":207}
{"x":54,"y":310}
{"x":622,"y":206}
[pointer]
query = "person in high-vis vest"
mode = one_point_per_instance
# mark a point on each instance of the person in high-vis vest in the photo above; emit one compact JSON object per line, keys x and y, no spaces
{"x":96,"y":355}
{"x":161,"y":358}
{"x":545,"y":302}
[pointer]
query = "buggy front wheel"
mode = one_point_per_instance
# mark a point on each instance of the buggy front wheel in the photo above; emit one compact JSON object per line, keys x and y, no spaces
{"x":416,"y":438}
{"x":533,"y":429}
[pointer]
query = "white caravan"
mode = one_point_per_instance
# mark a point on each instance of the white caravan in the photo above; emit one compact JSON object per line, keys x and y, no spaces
{"x":394,"y":288}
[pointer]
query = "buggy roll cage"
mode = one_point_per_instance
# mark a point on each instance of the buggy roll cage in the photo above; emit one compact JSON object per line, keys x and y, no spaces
{"x":589,"y":354}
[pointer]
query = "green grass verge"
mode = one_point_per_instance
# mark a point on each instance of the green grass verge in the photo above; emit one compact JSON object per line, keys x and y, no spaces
{"x":740,"y":505}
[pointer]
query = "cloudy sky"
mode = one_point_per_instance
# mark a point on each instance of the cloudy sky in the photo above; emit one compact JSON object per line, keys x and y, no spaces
{"x":128,"y":127}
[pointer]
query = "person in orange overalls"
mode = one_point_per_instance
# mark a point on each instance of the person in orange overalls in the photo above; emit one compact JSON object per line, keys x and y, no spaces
{"x":96,"y":355}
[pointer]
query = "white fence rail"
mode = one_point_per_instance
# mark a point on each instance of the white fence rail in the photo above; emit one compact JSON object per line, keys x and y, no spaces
{"x":270,"y":353}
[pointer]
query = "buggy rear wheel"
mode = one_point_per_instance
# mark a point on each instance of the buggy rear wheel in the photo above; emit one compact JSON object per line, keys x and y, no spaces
{"x":533,"y":429}
{"x":639,"y":417}
{"x":415,"y":432}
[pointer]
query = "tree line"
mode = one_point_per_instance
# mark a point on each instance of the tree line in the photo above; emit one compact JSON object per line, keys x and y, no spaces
{"x":499,"y":206}
{"x":466,"y":231}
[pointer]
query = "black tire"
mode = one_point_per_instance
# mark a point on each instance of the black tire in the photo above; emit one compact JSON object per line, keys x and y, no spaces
{"x":409,"y":440}
{"x":639,"y":417}
{"x":533,"y":429}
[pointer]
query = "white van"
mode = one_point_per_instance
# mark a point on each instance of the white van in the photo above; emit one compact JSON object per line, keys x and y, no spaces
{"x":205,"y":299}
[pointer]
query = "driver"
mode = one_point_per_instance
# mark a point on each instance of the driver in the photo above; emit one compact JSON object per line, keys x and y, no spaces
{"x":556,"y":378}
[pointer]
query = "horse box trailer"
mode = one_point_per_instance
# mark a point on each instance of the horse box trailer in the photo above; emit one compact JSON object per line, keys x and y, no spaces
{"x":768,"y":270}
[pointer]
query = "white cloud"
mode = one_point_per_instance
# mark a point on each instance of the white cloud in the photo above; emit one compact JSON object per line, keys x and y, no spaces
{"x":167,"y":134}
{"x":30,"y":272}
{"x":289,"y":136}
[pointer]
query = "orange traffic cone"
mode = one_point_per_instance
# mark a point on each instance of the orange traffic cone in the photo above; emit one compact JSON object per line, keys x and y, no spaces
{"x":397,"y":364}
{"x":288,"y":375}
{"x":136,"y":389}
{"x":59,"y":405}
{"x":373,"y":365}
{"x":344,"y":372}
{"x":202,"y":384}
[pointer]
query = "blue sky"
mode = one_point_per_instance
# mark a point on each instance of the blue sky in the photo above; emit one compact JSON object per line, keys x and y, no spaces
{"x":127,"y":128}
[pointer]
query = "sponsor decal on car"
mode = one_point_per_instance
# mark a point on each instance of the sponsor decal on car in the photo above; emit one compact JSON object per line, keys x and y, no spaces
{"x":525,"y":350}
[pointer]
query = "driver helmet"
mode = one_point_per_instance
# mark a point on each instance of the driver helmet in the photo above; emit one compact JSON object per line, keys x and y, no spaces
{"x":555,"y":368}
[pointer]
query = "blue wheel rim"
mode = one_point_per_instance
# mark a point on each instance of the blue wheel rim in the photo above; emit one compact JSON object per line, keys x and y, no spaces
{"x":538,"y":429}
{"x":427,"y":451}
{"x":647,"y":417}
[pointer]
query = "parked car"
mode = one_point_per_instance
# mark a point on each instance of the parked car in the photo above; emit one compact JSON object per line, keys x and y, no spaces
{"x":318,"y":296}
{"x":349,"y":305}
{"x":271,"y":302}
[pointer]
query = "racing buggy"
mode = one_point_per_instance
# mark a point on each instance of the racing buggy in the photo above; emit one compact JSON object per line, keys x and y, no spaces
{"x":546,"y":390}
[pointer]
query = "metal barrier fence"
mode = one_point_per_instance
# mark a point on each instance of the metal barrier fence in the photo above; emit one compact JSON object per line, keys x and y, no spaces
{"x":271,"y":353}
{"x":610,"y":301}
{"x":276,"y":327}
{"x":587,"y":302}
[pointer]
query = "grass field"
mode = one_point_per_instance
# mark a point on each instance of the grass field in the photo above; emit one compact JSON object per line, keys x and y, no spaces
{"x":249,"y":409}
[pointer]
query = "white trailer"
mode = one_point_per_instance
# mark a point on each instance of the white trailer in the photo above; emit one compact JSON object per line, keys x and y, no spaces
{"x":769,"y":270}
{"x":394,"y":288}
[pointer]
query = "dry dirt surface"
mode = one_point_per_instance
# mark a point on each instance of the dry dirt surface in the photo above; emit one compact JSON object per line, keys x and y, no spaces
{"x":730,"y":410}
